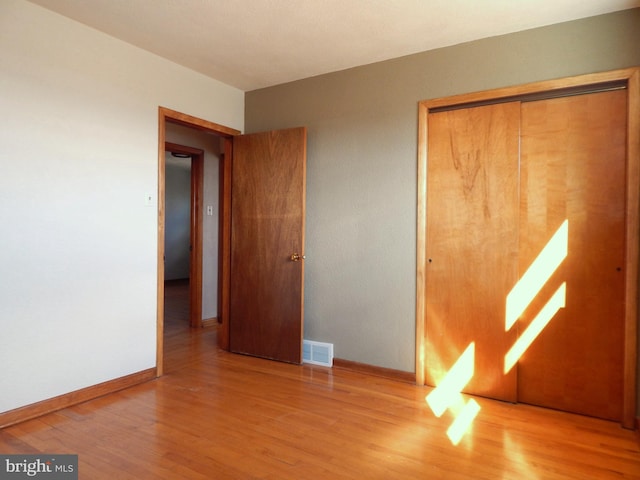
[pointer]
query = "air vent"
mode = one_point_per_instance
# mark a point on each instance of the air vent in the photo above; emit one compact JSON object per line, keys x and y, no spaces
{"x":317,"y":353}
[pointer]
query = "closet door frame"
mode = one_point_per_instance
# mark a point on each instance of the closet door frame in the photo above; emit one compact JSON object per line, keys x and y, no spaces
{"x":630,"y":79}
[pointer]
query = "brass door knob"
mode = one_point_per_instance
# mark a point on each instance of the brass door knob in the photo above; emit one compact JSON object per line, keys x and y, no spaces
{"x":295,"y":257}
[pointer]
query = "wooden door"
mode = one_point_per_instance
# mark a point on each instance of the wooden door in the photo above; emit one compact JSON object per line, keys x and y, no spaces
{"x":573,"y":177}
{"x":472,"y":241}
{"x":267,"y":244}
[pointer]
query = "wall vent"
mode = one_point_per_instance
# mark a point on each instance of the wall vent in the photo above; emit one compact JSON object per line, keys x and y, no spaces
{"x":317,"y":353}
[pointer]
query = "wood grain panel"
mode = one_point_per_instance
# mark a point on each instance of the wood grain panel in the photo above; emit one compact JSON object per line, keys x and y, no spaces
{"x":629,"y":77}
{"x":224,"y":250}
{"x":472,"y":240}
{"x":267,"y":227}
{"x":195,"y":254}
{"x":190,"y":121}
{"x":631,"y":370}
{"x":548,"y":86}
{"x":573,"y":169}
{"x":421,"y":241}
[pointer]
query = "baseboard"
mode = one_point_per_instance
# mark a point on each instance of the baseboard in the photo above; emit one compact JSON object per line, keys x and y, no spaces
{"x":210,"y":322}
{"x":399,"y":375}
{"x":38,"y":409}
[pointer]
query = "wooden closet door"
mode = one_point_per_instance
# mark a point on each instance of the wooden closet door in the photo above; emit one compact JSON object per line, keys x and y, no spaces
{"x":573,"y":178}
{"x":472,"y":240}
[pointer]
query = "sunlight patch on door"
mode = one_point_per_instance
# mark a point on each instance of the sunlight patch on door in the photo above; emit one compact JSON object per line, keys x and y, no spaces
{"x":555,"y":303}
{"x":547,"y":262}
{"x":448,"y":394}
{"x":445,"y":394}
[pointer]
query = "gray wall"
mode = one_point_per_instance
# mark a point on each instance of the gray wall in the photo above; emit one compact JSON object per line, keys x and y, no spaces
{"x":177,"y":237}
{"x":361,"y":177}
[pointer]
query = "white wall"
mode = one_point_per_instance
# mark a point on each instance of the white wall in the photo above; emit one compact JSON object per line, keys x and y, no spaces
{"x":78,"y":154}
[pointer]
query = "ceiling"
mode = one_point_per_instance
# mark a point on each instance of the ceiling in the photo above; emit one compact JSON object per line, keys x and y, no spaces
{"x":250,"y":44}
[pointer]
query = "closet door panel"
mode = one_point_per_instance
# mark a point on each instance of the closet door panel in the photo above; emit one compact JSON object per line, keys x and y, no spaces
{"x":572,"y":200}
{"x":472,"y":240}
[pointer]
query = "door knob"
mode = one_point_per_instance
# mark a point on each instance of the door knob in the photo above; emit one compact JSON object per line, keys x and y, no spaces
{"x":295,"y":257}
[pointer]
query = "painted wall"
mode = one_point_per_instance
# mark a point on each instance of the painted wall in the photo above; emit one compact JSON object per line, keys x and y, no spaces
{"x":360,"y":291}
{"x":177,"y":220}
{"x":211,"y":145}
{"x":78,"y":154}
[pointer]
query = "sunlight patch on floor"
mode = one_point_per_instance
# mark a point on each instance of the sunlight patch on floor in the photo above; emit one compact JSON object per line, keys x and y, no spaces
{"x":447,"y":395}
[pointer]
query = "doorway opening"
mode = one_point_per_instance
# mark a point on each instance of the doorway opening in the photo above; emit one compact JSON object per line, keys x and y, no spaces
{"x":167,"y":116}
{"x":184,"y":182}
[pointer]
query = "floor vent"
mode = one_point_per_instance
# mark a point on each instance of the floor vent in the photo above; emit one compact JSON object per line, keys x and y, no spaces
{"x":317,"y":353}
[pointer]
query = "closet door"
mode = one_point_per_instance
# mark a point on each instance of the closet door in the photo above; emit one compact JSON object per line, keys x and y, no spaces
{"x":572,"y":200}
{"x":472,"y":241}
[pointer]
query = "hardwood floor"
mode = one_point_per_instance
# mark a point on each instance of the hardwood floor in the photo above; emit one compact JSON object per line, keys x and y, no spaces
{"x":216,"y":415}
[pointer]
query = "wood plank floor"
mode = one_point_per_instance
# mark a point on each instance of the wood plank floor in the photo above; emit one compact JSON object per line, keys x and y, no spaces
{"x":216,"y":415}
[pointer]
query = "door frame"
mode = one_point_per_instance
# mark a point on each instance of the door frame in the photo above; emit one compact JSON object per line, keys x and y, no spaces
{"x":227,"y":133}
{"x":631,"y":79}
{"x":195,"y":231}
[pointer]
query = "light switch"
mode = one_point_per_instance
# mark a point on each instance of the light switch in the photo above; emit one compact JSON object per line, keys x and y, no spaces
{"x":210,"y":210}
{"x":148,"y":199}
